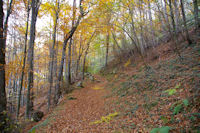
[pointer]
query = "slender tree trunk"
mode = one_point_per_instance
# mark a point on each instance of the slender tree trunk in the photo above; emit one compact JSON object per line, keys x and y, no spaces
{"x":3,"y":100}
{"x":84,"y":61}
{"x":196,"y":11}
{"x":52,"y":53}
{"x":67,"y":37}
{"x":79,"y":56}
{"x":142,"y":47}
{"x":5,"y":28}
{"x":166,"y":16}
{"x":136,"y":40}
{"x":60,"y":73}
{"x":184,"y":22}
{"x":29,"y":99}
{"x":151,"y":24}
{"x":161,"y":14}
{"x":115,"y":40}
{"x":68,"y":62}
{"x":107,"y":47}
{"x":70,"y":46}
{"x":174,"y":32}
{"x":86,"y":52}
{"x":177,"y":15}
{"x":172,"y":16}
{"x":24,"y":61}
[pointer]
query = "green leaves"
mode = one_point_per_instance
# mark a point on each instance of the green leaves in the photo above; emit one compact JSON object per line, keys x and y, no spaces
{"x":33,"y":131}
{"x":170,"y":91}
{"x":180,"y":106}
{"x":164,"y":129}
{"x":164,"y":119}
{"x":185,"y":102}
{"x":173,"y":91}
{"x":177,"y":109}
{"x":178,"y":86}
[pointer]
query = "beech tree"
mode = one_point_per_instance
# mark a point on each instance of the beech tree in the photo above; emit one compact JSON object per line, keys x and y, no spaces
{"x":3,"y":101}
{"x":185,"y":23}
{"x":24,"y":59}
{"x":67,"y":38}
{"x":68,"y":78}
{"x":196,"y":12}
{"x":35,"y":4}
{"x":56,"y":11}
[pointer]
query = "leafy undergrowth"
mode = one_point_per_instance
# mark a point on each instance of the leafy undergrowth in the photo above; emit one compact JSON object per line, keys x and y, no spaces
{"x":158,"y":97}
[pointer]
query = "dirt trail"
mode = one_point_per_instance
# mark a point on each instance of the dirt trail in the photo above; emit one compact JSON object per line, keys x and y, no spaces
{"x":76,"y":115}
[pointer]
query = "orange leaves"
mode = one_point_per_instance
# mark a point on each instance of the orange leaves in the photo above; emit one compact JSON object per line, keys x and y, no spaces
{"x":14,"y":67}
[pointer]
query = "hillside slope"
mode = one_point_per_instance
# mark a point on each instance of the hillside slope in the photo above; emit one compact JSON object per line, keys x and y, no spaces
{"x":165,"y":93}
{"x":133,"y":97}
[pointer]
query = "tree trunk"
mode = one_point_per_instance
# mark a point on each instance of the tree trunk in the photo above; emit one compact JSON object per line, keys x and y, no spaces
{"x":67,"y":37}
{"x":177,"y":15}
{"x":174,"y":32}
{"x":151,"y":24}
{"x":107,"y":47}
{"x":172,"y":17}
{"x":86,"y":52}
{"x":24,"y":61}
{"x":70,"y":46}
{"x":184,"y":22}
{"x":166,"y":16}
{"x":161,"y":14}
{"x":196,"y":11}
{"x":29,"y":99}
{"x":3,"y":101}
{"x":68,"y":75}
{"x":79,"y":56}
{"x":5,"y":28}
{"x":52,"y":53}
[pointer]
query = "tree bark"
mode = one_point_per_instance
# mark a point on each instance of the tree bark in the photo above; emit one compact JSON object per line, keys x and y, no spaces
{"x":70,"y":46}
{"x":67,"y":37}
{"x":177,"y":15}
{"x":9,"y":10}
{"x":52,"y":53}
{"x":184,"y":22}
{"x":29,"y":100}
{"x":151,"y":24}
{"x":166,"y":16}
{"x":107,"y":47}
{"x":79,"y":55}
{"x":24,"y":61}
{"x":86,"y":52}
{"x":196,"y":11}
{"x":3,"y":100}
{"x":174,"y":32}
{"x":172,"y":16}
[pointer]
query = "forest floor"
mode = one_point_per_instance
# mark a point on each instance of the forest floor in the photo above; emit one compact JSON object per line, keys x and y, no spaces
{"x":136,"y":98}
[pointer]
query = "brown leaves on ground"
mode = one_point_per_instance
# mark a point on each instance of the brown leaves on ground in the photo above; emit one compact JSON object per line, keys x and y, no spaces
{"x":76,"y":115}
{"x":138,"y":93}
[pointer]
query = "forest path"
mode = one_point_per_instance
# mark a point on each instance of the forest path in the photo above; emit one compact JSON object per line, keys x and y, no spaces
{"x":86,"y":105}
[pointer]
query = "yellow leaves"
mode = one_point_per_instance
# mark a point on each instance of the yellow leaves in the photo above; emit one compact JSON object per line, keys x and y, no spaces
{"x":20,"y":29}
{"x":127,"y":63}
{"x":106,"y":119}
{"x":39,"y":75}
{"x":97,"y":88}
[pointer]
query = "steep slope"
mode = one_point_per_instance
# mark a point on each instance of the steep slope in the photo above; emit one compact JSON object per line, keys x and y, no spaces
{"x":132,"y":97}
{"x":164,"y":94}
